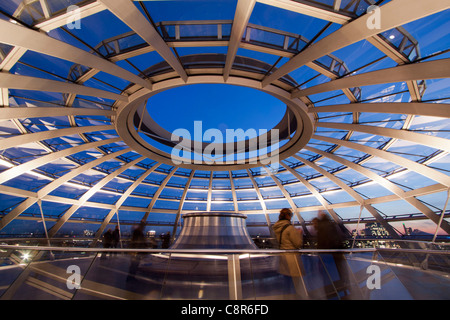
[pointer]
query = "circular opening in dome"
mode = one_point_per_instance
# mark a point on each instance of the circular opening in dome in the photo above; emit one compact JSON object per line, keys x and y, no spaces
{"x":217,"y":106}
{"x":214,"y":123}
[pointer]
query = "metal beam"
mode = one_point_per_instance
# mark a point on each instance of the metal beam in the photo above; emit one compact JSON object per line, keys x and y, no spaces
{"x":404,"y":162}
{"x":414,"y":108}
{"x":119,"y":202}
{"x":157,"y":193}
{"x":63,"y":219}
{"x":233,"y":191}
{"x":16,"y":35}
{"x":394,"y":13}
{"x":4,"y":99}
{"x":33,"y":164}
{"x":423,"y":139}
{"x":313,"y":190}
{"x":131,"y":16}
{"x":308,"y":10}
{"x":383,"y":199}
{"x":289,"y":199}
{"x":13,"y":81}
{"x":25,"y":112}
{"x":384,"y":183}
{"x":352,"y":193}
{"x":242,"y":15}
{"x":180,"y":206}
{"x":48,"y":134}
{"x":54,"y":185}
{"x":258,"y":192}
{"x":435,"y":69}
{"x":262,"y":203}
{"x":208,"y":200}
{"x":11,"y":59}
{"x":62,"y":19}
{"x":397,"y":55}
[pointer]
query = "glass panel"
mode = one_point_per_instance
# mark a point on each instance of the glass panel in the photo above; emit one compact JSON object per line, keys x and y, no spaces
{"x":43,"y":275}
{"x":99,"y":28}
{"x":142,"y":274}
{"x":195,"y":277}
{"x":431,"y":32}
{"x":4,"y":51}
{"x":183,"y":11}
{"x":272,"y":17}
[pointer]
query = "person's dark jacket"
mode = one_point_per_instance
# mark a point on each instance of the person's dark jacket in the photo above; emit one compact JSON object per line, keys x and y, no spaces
{"x":116,"y":236}
{"x":329,"y":235}
{"x":138,"y":239}
{"x":107,"y":239}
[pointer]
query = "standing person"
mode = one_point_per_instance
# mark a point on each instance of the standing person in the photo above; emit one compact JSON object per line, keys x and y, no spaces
{"x":116,"y":238}
{"x":290,"y":238}
{"x":287,"y":235}
{"x":138,"y":237}
{"x":107,"y":241}
{"x":330,"y":236}
{"x":166,"y":240}
{"x":137,"y":242}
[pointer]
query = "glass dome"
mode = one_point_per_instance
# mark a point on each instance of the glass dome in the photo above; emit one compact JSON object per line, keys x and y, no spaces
{"x":349,"y":99}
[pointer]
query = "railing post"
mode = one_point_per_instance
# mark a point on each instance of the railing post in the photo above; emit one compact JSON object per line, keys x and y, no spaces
{"x":219,"y":31}
{"x":177,"y":32}
{"x":441,"y":217}
{"x":234,"y":277}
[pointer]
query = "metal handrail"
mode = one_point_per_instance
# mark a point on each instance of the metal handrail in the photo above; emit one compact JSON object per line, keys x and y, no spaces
{"x":222,"y":251}
{"x":233,"y":266}
{"x":190,"y":251}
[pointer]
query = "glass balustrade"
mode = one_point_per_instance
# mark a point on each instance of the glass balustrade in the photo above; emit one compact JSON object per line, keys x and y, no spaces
{"x":412,"y":270}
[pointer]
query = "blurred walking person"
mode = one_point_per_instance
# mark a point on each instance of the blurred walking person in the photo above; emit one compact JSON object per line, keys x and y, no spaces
{"x":137,"y":242}
{"x":116,"y":238}
{"x":107,"y":242}
{"x":331,"y":236}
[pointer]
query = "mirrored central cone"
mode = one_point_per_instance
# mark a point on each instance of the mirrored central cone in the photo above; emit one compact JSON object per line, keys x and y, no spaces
{"x":214,"y":230}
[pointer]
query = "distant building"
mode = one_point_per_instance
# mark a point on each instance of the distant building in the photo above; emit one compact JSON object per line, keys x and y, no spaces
{"x":88,"y":233}
{"x":408,"y":231}
{"x":374,"y":230}
{"x":416,"y":232}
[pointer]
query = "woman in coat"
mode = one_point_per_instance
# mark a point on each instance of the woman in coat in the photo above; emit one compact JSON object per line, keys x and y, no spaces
{"x":290,"y":238}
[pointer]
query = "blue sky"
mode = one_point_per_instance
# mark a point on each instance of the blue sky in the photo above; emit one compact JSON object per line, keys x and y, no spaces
{"x":217,"y":106}
{"x":222,"y":106}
